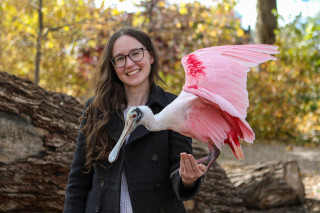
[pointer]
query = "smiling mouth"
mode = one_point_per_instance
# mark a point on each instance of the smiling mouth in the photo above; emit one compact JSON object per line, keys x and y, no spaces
{"x":133,"y":72}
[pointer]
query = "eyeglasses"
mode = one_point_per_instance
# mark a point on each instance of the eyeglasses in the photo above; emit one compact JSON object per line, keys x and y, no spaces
{"x":121,"y":60}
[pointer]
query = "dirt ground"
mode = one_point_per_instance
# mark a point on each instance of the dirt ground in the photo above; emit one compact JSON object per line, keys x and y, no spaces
{"x":308,"y":160}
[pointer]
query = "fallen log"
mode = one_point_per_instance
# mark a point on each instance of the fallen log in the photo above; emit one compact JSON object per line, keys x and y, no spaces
{"x":38,"y":131}
{"x":270,"y":184}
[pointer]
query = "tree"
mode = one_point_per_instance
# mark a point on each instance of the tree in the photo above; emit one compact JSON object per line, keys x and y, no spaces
{"x":39,"y":38}
{"x":266,"y":21}
{"x":284,"y":94}
{"x":52,"y":50}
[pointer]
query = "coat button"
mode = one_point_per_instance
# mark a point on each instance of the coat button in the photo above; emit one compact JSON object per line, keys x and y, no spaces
{"x":157,"y":185}
{"x":96,"y":209}
{"x":101,"y":182}
{"x":155,"y":157}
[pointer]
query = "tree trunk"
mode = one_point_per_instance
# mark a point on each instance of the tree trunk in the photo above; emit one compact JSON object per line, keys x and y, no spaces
{"x":38,"y":131}
{"x":39,"y":39}
{"x":269,"y":185}
{"x":266,"y":21}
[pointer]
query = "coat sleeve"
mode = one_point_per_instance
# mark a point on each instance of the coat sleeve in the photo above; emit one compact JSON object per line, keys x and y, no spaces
{"x":79,"y":183}
{"x":178,"y":144}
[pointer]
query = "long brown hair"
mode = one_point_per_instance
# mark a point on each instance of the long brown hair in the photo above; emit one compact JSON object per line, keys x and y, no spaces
{"x":110,"y":96}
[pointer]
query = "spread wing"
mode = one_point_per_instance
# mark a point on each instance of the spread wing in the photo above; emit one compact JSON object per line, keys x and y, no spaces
{"x":219,"y":74}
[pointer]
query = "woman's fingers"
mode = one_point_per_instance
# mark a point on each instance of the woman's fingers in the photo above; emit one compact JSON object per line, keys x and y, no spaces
{"x":198,"y":169}
{"x":194,"y":165}
{"x":202,"y":167}
{"x":189,"y":168}
{"x":182,"y":169}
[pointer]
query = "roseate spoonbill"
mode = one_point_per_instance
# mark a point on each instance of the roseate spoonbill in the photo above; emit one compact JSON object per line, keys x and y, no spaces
{"x":212,"y":105}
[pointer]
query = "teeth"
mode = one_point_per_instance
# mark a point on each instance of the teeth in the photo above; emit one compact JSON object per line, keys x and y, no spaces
{"x":133,"y":72}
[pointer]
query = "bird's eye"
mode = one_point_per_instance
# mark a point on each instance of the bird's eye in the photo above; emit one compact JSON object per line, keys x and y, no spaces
{"x":136,"y":114}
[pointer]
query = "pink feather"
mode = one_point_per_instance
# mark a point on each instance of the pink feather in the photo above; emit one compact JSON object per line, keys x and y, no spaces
{"x":218,"y":76}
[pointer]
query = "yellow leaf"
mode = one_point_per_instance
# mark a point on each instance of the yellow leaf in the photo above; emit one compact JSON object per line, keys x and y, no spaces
{"x":115,"y":12}
{"x":137,"y":21}
{"x":97,"y":15}
{"x":178,"y":25}
{"x":240,"y":32}
{"x":60,"y":3}
{"x":226,"y":7}
{"x":200,"y":27}
{"x":213,"y":33}
{"x":49,"y":44}
{"x":204,"y":15}
{"x":91,"y":43}
{"x":161,"y":3}
{"x":196,"y":4}
{"x":279,"y":114}
{"x":183,"y":11}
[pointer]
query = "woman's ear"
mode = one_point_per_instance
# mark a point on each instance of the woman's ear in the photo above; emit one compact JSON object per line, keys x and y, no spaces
{"x":151,"y":57}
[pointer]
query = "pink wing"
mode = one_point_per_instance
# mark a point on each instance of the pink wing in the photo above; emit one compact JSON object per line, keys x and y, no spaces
{"x":218,"y":76}
{"x":221,"y":73}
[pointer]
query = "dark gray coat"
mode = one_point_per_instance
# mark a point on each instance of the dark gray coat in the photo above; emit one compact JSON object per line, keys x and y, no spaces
{"x":148,"y":160}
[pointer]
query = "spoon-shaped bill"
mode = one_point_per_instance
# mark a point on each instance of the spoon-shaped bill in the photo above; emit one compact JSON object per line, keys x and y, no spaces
{"x":129,"y":127}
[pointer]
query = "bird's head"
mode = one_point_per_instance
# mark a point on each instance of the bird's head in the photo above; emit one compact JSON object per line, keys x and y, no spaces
{"x":135,"y":117}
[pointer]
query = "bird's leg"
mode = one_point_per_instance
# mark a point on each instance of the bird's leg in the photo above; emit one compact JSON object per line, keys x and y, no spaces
{"x":212,"y":156}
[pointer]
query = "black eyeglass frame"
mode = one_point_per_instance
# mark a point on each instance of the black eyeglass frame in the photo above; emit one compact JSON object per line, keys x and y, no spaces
{"x":125,"y":57}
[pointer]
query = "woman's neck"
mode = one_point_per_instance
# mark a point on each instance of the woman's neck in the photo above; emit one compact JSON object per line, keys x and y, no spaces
{"x":137,"y":96}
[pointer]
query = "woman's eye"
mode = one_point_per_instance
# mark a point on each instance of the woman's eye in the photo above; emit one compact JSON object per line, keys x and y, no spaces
{"x":119,"y":59}
{"x":135,"y":53}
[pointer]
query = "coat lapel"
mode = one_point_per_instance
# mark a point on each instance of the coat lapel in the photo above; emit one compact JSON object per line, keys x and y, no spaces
{"x":138,"y":133}
{"x":115,"y":126}
{"x":157,"y":101}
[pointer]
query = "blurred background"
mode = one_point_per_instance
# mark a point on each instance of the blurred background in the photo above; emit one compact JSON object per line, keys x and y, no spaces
{"x":57,"y":43}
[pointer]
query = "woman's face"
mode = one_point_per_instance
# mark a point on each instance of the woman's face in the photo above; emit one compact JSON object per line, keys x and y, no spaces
{"x":133,"y":74}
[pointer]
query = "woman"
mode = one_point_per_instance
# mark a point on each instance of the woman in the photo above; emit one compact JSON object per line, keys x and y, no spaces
{"x":139,"y":181}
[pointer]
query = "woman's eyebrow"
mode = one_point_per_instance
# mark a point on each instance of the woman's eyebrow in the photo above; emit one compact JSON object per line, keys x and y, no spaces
{"x":120,"y":54}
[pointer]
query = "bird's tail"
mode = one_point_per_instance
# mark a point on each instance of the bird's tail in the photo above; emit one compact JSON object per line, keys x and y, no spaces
{"x":233,"y":142}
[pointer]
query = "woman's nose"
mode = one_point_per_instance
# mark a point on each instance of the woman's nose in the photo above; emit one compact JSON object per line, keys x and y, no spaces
{"x":129,"y":62}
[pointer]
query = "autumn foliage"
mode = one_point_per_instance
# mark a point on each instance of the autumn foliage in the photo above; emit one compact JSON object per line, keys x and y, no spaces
{"x":284,"y":95}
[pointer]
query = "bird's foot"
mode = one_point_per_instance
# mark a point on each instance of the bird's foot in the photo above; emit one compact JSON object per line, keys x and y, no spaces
{"x":212,"y":156}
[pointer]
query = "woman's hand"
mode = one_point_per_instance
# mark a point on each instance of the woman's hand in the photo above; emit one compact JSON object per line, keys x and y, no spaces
{"x":190,"y":170}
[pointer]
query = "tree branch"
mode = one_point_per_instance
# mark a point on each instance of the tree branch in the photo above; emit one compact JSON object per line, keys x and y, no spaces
{"x":62,"y":26}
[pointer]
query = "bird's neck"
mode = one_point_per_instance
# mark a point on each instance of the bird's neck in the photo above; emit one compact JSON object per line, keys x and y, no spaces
{"x":153,"y":122}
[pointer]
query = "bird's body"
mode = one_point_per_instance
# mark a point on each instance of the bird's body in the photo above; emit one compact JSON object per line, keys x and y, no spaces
{"x":212,"y":106}
{"x":198,"y":118}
